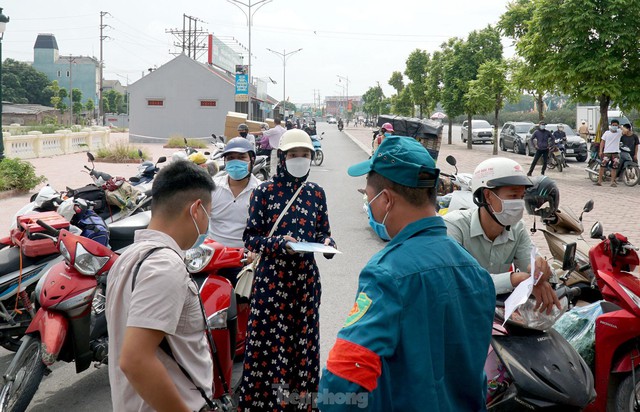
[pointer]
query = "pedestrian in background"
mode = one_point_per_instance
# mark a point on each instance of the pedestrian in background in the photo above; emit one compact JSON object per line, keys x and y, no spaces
{"x":583,"y":131}
{"x":609,"y":151}
{"x":282,"y":355}
{"x":273,"y":136}
{"x":417,"y":336}
{"x":243,"y":131}
{"x":630,"y":139}
{"x":542,"y":141}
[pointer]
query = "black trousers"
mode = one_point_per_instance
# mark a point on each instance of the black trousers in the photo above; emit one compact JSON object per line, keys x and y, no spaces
{"x":544,"y":153}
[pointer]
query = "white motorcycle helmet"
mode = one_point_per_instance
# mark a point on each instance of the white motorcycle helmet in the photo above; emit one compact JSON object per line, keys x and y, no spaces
{"x":497,"y":172}
{"x":46,"y":194}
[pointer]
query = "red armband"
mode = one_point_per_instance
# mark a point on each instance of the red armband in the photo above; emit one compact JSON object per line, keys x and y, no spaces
{"x":355,"y":363}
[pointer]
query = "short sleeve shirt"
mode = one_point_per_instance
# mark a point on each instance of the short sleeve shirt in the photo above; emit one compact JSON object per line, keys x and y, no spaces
{"x":166,"y":299}
{"x":611,"y":141}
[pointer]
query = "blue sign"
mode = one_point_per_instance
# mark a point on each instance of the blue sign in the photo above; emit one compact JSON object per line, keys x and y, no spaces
{"x":242,"y":84}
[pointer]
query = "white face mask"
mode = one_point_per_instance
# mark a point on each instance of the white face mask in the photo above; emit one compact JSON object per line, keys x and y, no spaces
{"x":512,"y":211}
{"x":298,"y":166}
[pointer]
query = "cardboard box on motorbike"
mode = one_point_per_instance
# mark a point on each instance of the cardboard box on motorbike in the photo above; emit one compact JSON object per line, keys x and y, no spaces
{"x":234,"y":119}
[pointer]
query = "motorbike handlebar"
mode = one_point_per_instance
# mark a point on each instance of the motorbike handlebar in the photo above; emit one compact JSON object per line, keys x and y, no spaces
{"x":87,"y":167}
{"x":50,"y":230}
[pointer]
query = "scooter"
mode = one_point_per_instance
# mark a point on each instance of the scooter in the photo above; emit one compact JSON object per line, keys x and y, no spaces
{"x":617,"y":330}
{"x":455,"y":190}
{"x":70,"y":324}
{"x":530,"y":366}
{"x":628,"y":171}
{"x":556,"y":156}
{"x":146,"y":171}
{"x":340,"y":125}
{"x":317,"y":145}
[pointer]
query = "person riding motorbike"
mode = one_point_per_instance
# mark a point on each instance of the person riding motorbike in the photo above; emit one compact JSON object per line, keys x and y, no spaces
{"x":243,"y":131}
{"x":494,"y":232}
{"x":560,"y":139}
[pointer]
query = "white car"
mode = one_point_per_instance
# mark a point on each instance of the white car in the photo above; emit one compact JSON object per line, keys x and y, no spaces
{"x":481,"y":131}
{"x":332,"y":120}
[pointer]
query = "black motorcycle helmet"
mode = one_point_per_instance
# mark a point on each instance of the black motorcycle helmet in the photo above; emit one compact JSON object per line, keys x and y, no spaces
{"x":543,"y":198}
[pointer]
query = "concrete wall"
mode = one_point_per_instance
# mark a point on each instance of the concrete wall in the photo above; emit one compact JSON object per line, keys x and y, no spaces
{"x":181,"y":84}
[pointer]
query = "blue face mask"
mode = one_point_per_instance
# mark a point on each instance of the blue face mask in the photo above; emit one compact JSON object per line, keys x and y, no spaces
{"x":387,"y":134}
{"x":379,"y":228}
{"x":237,"y":169}
{"x":201,"y":236}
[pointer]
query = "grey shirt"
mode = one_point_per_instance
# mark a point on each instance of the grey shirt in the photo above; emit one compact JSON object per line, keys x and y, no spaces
{"x":166,"y":299}
{"x":510,"y":247}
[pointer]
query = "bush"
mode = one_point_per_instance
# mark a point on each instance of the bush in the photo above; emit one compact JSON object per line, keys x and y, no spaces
{"x":18,"y":174}
{"x":121,"y":152}
{"x":177,"y":142}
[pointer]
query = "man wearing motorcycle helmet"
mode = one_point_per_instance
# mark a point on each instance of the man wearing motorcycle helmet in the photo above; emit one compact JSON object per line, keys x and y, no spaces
{"x":230,"y":199}
{"x":243,"y":131}
{"x":494,"y":232}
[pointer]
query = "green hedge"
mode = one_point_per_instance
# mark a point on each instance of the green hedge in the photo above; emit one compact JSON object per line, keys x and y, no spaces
{"x":18,"y":174}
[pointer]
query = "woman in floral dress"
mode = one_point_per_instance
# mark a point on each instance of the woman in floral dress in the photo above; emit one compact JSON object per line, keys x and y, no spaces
{"x":282,"y":353}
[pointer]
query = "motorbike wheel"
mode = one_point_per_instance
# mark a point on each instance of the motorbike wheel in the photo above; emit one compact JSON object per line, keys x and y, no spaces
{"x":596,"y":168}
{"x":559,"y":163}
{"x":319,"y":158}
{"x":12,"y":343}
{"x":626,"y":393}
{"x":27,"y":372}
{"x":631,"y":175}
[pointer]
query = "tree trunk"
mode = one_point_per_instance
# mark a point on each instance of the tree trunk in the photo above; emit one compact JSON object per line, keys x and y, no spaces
{"x":469,"y":132}
{"x":540,"y":107}
{"x":604,"y":116}
{"x":495,"y":132}
{"x":450,"y":131}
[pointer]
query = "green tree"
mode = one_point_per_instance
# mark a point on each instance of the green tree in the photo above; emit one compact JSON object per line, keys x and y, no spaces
{"x":490,"y":91}
{"x":21,"y":83}
{"x":396,"y":81}
{"x":116,"y":101}
{"x":416,"y":71}
{"x":90,"y":106}
{"x":402,"y":104}
{"x":373,"y":101}
{"x":57,"y":96}
{"x":105,"y":105}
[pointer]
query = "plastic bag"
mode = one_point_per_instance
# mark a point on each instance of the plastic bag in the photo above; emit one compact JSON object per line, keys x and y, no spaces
{"x":578,"y":327}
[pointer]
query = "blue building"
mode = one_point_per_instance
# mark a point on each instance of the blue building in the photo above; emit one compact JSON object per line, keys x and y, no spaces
{"x":77,"y":72}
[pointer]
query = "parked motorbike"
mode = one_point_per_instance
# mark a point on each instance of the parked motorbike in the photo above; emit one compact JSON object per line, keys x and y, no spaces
{"x":146,"y":171}
{"x":617,"y":329}
{"x":317,"y":145}
{"x":70,"y":324}
{"x":628,"y":169}
{"x":454,"y":190}
{"x":532,"y":367}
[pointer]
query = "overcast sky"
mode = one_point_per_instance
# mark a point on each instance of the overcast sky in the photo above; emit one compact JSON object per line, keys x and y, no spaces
{"x":364,"y":40}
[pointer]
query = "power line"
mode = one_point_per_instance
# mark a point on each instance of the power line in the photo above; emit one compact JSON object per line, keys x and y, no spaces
{"x":190,"y":40}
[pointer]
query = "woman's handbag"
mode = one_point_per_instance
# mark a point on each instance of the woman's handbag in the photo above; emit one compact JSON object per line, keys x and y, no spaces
{"x":245,"y":277}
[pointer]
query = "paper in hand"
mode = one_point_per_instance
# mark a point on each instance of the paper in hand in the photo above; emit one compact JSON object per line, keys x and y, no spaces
{"x":522,"y":292}
{"x":310,"y":247}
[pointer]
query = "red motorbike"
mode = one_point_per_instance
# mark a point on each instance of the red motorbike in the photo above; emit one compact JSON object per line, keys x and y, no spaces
{"x":617,"y":330}
{"x":70,"y":324}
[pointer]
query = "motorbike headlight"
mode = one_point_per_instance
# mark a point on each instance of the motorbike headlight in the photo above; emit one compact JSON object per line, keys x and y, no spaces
{"x":527,"y":316}
{"x":87,"y":263}
{"x":218,"y":320}
{"x":64,"y":251}
{"x":197,"y":259}
{"x":632,"y":295}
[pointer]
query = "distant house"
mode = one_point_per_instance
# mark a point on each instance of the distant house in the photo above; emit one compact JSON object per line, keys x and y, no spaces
{"x":113,"y":85}
{"x":77,"y":72}
{"x":182,"y":97}
{"x":25,"y":114}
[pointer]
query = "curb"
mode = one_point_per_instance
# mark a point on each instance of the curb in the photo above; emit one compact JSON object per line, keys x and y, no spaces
{"x":12,"y":193}
{"x":362,"y":146}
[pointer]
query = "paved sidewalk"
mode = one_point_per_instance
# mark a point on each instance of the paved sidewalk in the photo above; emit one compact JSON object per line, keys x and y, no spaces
{"x":618,"y":208}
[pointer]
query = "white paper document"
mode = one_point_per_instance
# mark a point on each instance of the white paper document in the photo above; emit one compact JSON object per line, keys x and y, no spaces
{"x":310,"y":247}
{"x":522,"y":292}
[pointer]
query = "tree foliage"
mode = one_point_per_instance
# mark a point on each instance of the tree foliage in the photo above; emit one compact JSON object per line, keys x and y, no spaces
{"x":21,"y":83}
{"x":57,"y":96}
{"x":416,"y":71}
{"x":373,"y":101}
{"x":117,"y":104}
{"x":402,"y":104}
{"x":397,"y":82}
{"x":90,"y":106}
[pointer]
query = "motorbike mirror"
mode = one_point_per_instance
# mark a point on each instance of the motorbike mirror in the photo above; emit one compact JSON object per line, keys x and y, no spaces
{"x":185,"y":141}
{"x":90,"y":157}
{"x":207,"y":153}
{"x":596,"y":231}
{"x":140,"y":153}
{"x":161,"y":159}
{"x":451,"y":160}
{"x":569,"y":259}
{"x":588,"y":207}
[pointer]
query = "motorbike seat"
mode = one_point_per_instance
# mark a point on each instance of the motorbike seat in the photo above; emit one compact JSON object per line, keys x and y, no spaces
{"x":121,"y":233}
{"x":10,"y":260}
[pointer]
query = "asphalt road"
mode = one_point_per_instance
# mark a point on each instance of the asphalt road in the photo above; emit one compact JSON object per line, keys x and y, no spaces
{"x":64,"y":390}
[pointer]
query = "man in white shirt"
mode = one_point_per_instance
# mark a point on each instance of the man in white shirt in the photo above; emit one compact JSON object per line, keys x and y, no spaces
{"x":610,"y":151}
{"x":273,"y":135}
{"x":230,"y":199}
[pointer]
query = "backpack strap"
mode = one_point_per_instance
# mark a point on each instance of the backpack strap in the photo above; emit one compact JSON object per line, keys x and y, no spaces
{"x":164,"y":344}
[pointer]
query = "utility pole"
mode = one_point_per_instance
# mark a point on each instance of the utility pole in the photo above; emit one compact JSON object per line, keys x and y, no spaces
{"x":71,"y":60}
{"x":102,"y":38}
{"x":284,"y":56}
{"x":346,"y":79}
{"x":190,"y":41}
{"x":249,"y":14}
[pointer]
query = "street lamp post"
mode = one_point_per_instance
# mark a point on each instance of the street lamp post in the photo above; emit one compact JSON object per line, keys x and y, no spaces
{"x":346,"y":79}
{"x":249,"y":14}
{"x":3,"y":25}
{"x":284,"y":55}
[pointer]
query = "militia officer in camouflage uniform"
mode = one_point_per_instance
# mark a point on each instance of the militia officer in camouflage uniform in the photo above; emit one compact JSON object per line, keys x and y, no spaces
{"x":417,"y":336}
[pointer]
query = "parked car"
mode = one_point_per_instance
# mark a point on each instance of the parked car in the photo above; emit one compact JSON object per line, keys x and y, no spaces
{"x":513,"y":135}
{"x":575,"y":146}
{"x":332,"y":120}
{"x":481,"y":131}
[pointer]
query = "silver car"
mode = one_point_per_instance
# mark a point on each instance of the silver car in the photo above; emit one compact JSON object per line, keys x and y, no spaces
{"x":481,"y":131}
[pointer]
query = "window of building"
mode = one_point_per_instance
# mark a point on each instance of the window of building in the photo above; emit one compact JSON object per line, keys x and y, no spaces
{"x":59,"y":73}
{"x":68,"y":73}
{"x":208,"y":103}
{"x":155,"y":102}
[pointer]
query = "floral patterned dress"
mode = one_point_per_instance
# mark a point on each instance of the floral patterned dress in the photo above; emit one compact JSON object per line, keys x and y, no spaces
{"x":282,"y":353}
